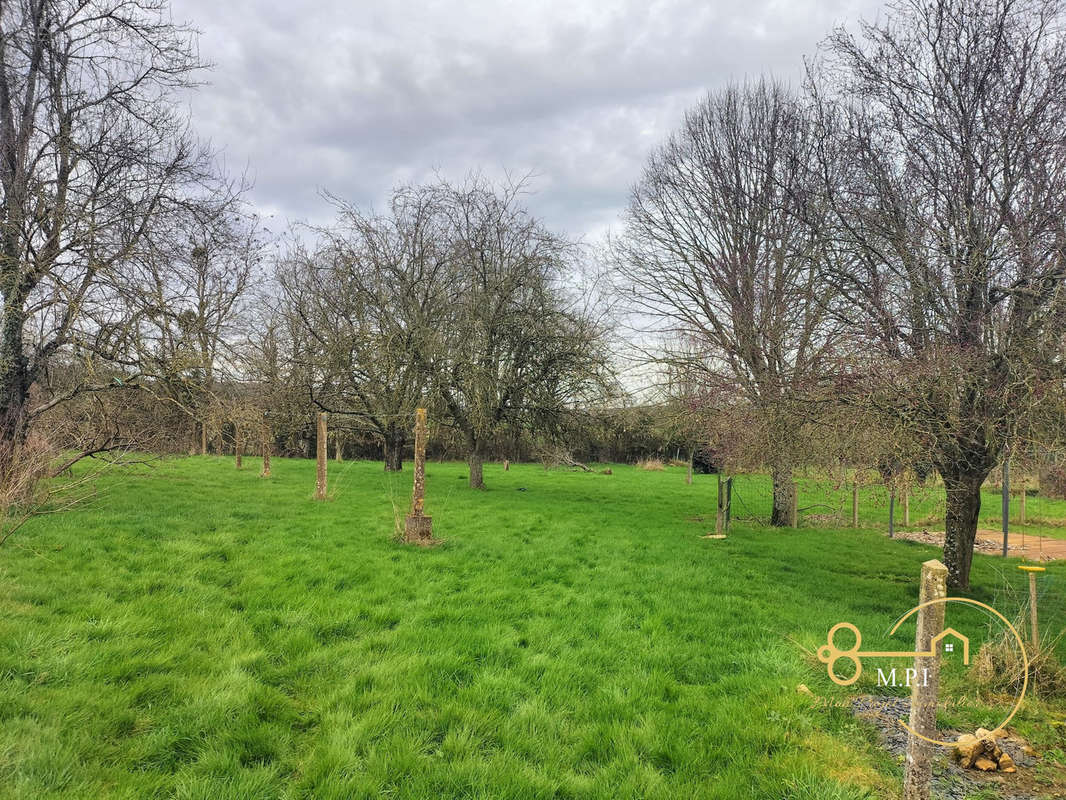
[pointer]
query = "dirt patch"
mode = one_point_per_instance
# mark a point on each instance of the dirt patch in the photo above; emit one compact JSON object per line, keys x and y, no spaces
{"x":990,"y":542}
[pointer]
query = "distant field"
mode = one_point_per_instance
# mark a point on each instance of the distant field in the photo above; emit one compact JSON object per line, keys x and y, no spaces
{"x":198,"y":632}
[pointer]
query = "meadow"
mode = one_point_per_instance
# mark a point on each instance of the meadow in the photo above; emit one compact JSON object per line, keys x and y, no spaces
{"x":194,"y":631}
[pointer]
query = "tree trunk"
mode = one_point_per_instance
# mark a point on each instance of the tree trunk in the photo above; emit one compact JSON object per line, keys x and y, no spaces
{"x":963,"y":490}
{"x":14,"y":385}
{"x":781,"y":516}
{"x":395,"y":438}
{"x":13,"y":424}
{"x":477,"y":480}
{"x":12,"y":434}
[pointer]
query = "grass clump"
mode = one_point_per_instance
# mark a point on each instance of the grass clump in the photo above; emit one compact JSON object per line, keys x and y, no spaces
{"x":999,"y":668}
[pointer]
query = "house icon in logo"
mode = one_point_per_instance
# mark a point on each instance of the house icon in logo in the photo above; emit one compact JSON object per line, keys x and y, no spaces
{"x":949,"y":646}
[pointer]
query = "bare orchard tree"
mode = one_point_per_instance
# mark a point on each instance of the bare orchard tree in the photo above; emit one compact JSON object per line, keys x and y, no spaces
{"x":721,"y":255}
{"x":945,"y":125}
{"x":191,"y":287}
{"x":368,"y":300}
{"x":518,"y":343}
{"x":277,"y":360}
{"x":93,"y":149}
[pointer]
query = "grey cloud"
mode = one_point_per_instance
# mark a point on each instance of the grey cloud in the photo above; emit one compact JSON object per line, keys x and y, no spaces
{"x":355,"y":97}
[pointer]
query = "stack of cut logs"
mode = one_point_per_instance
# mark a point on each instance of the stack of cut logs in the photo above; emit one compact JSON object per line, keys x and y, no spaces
{"x":980,"y":751}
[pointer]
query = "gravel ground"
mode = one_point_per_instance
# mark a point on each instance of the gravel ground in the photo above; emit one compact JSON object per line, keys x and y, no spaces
{"x":950,"y":782}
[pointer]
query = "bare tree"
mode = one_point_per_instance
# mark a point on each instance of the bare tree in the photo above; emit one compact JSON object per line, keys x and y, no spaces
{"x":518,"y":343}
{"x":368,"y":301}
{"x":943,"y":132}
{"x":191,"y":290}
{"x":455,"y":299}
{"x":721,"y":255}
{"x":92,"y":152}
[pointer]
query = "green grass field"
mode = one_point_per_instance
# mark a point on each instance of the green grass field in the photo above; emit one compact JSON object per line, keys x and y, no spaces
{"x":197,"y":632}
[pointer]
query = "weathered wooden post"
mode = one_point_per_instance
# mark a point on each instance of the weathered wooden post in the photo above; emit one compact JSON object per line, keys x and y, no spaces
{"x":238,"y":447}
{"x":906,"y":497}
{"x":855,"y":503}
{"x":419,"y":527}
{"x":266,"y":448}
{"x":1021,"y":504}
{"x":506,"y":465}
{"x":320,"y":452}
{"x":338,"y":447}
{"x":691,"y":458}
{"x":918,"y":771}
{"x":892,"y":509}
{"x":1034,"y":633}
{"x":203,"y":437}
{"x":793,"y":511}
{"x":728,"y":502}
{"x":1005,"y":503}
{"x":719,"y":516}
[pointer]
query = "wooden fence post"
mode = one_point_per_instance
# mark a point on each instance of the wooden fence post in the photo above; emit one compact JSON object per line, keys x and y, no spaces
{"x":238,"y":447}
{"x":1005,"y":503}
{"x":267,"y":445}
{"x":917,"y":776}
{"x":728,"y":502}
{"x":1034,"y":632}
{"x":719,"y":518}
{"x":320,"y":452}
{"x":906,"y":507}
{"x":892,"y":509}
{"x":419,"y":527}
{"x":855,"y":504}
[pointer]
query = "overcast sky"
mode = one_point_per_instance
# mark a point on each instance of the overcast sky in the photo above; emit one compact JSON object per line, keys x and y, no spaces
{"x":355,"y":97}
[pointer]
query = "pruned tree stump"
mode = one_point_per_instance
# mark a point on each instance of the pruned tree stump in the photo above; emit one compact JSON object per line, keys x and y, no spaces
{"x":419,"y":530}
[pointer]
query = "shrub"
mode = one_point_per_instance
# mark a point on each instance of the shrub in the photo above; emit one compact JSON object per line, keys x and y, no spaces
{"x":23,"y":478}
{"x":1053,"y":482}
{"x":998,"y":665}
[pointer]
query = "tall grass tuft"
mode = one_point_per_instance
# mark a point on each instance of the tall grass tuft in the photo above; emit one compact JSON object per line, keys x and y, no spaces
{"x":999,"y":669}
